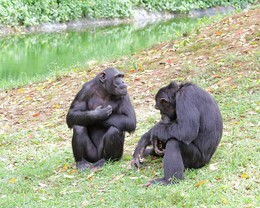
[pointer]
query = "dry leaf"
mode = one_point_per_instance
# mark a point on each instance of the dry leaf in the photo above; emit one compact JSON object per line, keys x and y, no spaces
{"x":225,"y":201}
{"x":245,"y":176}
{"x":42,"y":185}
{"x":223,"y":80}
{"x":36,"y":114}
{"x":12,"y":180}
{"x":201,"y":183}
{"x":68,"y":176}
{"x":21,"y":90}
{"x":30,"y":136}
{"x":57,"y":106}
{"x":213,"y":166}
{"x":90,"y":175}
{"x":133,"y":178}
{"x":216,"y":76}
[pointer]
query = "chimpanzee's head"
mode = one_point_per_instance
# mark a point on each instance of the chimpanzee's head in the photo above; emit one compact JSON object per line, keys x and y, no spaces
{"x":112,"y":81}
{"x":165,"y":101}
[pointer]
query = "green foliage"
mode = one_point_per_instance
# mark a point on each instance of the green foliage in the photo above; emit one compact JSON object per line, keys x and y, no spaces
{"x":33,"y":12}
{"x":109,"y":8}
{"x":187,"y":5}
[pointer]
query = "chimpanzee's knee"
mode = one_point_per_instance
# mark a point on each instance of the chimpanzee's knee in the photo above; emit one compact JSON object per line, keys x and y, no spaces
{"x":113,"y":144}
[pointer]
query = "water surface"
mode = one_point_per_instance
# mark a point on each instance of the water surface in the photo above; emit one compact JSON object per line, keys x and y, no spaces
{"x":39,"y":54}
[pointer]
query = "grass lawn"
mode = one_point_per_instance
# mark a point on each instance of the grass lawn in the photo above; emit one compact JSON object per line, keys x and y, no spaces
{"x":37,"y":168}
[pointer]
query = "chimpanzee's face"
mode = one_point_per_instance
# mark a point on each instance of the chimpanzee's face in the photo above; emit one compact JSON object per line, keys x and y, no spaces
{"x":120,"y":88}
{"x":113,"y":82}
{"x":167,"y":110}
{"x":166,"y":103}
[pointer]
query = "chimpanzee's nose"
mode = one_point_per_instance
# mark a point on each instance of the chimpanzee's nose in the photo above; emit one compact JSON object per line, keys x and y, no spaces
{"x":123,"y":86}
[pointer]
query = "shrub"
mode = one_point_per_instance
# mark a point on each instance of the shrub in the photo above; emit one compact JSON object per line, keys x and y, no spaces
{"x":33,"y":12}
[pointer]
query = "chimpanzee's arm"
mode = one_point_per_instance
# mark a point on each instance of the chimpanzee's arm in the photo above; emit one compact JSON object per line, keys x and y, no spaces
{"x":79,"y":114}
{"x":125,"y":120}
{"x":140,"y":148}
{"x":186,"y":127}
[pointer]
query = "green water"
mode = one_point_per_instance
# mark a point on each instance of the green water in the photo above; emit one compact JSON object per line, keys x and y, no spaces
{"x":27,"y":56}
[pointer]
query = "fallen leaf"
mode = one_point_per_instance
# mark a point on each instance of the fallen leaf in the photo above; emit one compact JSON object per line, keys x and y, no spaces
{"x":218,"y":33}
{"x":133,"y":178}
{"x":68,"y":176}
{"x":56,"y":106}
{"x":73,"y":171}
{"x":28,"y":98}
{"x":30,"y":136}
{"x":42,"y":185}
{"x":209,"y":89}
{"x":36,"y":114}
{"x":224,"y":201}
{"x":21,"y":90}
{"x":12,"y":180}
{"x":90,"y":175}
{"x":201,"y":183}
{"x":216,"y":76}
{"x":245,"y":176}
{"x":213,"y":166}
{"x":223,"y":80}
{"x":84,"y":204}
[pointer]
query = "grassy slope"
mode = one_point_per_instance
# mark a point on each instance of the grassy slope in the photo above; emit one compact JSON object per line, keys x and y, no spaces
{"x":36,"y":163}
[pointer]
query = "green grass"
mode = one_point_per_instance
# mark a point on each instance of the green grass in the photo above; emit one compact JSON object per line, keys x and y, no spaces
{"x":37,"y":171}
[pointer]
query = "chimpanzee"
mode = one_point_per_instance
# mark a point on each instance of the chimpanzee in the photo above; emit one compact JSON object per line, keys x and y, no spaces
{"x":100,"y":114}
{"x":188,"y":134}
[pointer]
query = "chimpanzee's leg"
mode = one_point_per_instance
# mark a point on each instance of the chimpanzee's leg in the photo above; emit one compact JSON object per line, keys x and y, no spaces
{"x":84,"y":150}
{"x":192,"y":157}
{"x":172,"y":163}
{"x":178,"y":156}
{"x":111,"y":147}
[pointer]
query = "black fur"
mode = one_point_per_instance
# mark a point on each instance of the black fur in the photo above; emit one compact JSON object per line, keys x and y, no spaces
{"x":100,"y":115}
{"x":191,"y":129}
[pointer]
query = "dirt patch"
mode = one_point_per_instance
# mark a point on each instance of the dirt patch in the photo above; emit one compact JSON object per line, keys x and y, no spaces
{"x":46,"y":103}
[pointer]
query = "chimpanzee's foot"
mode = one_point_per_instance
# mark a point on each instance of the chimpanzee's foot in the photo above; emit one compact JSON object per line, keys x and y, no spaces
{"x":160,"y":181}
{"x":83,"y":165}
{"x":99,"y":164}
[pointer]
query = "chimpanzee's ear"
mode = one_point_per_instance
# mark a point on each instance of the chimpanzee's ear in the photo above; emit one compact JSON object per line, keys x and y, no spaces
{"x":164,"y":101}
{"x":102,"y":77}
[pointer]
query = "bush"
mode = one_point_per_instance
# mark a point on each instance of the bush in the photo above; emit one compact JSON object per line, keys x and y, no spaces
{"x":33,"y":12}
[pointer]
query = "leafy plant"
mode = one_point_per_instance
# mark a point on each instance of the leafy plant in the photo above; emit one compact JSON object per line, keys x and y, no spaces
{"x":33,"y":12}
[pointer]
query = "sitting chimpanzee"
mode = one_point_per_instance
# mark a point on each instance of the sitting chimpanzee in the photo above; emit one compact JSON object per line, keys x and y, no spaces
{"x":100,"y":115}
{"x":187,"y":136}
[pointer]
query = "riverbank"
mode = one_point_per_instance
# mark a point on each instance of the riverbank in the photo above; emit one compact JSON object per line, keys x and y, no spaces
{"x":140,"y":16}
{"x":34,"y":12}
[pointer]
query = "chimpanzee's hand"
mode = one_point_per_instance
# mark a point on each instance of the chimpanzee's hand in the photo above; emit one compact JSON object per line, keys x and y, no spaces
{"x":102,"y":113}
{"x":136,"y":162}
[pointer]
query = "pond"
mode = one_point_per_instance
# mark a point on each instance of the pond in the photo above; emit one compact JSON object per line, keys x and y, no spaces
{"x":23,"y":57}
